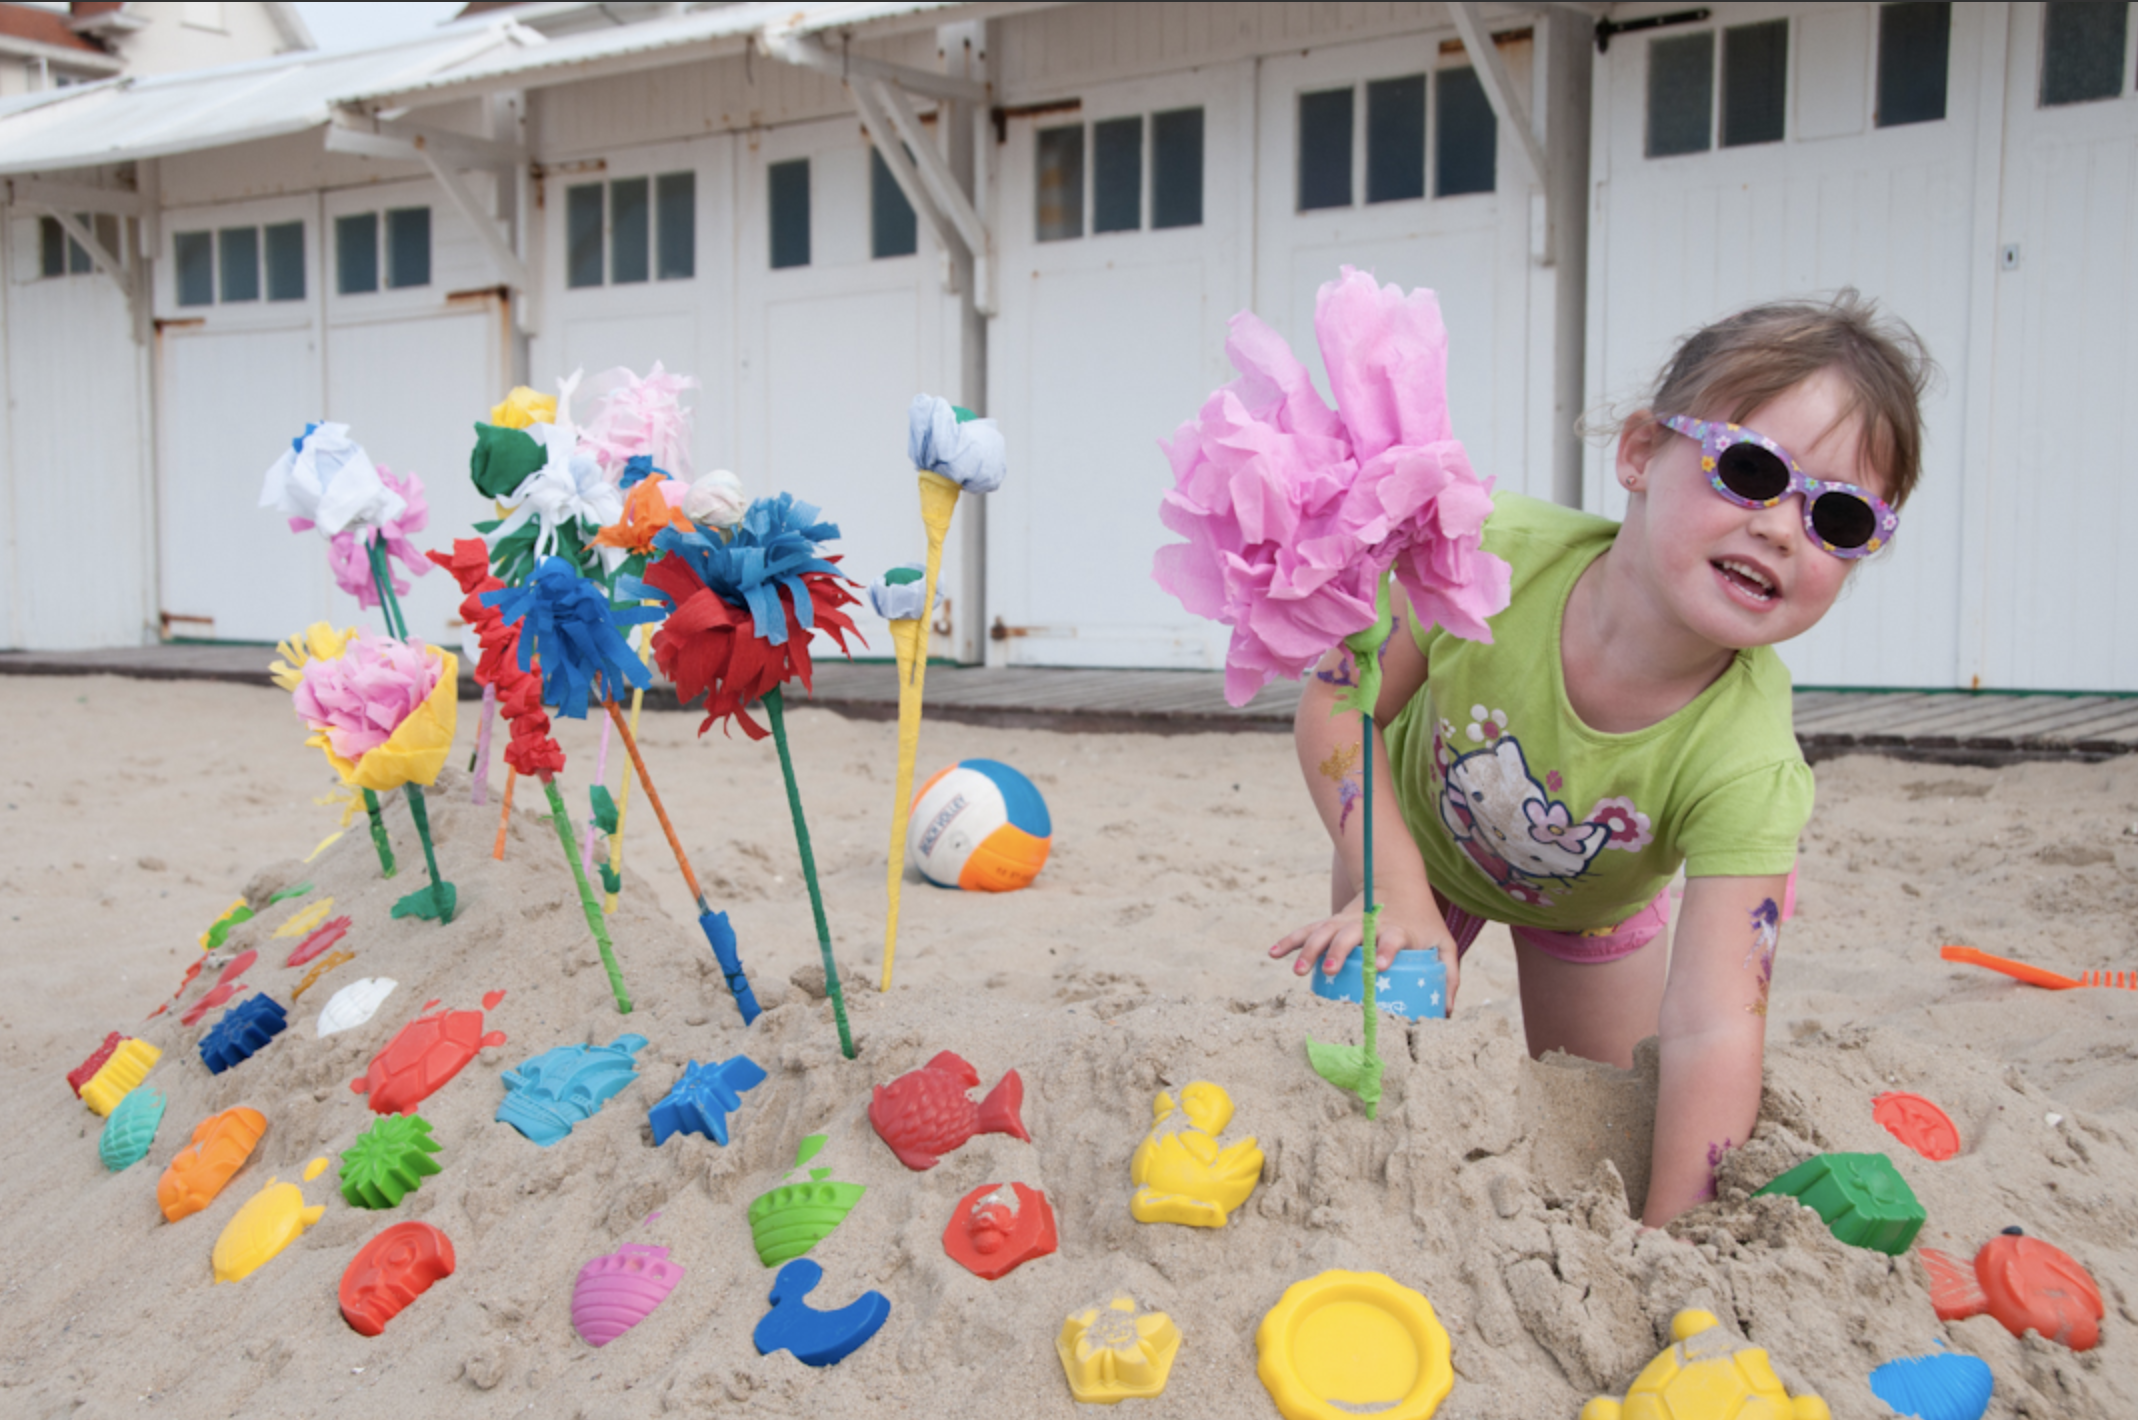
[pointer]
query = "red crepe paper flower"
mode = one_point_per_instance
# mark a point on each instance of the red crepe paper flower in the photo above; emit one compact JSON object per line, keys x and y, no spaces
{"x":532,"y":751}
{"x":708,"y":645}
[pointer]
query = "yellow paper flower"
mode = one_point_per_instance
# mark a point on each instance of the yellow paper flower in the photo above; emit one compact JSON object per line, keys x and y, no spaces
{"x":417,"y":749}
{"x":523,"y":407}
{"x":317,"y":642}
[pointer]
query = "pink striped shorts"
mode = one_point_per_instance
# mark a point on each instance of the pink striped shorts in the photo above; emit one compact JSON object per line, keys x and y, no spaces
{"x":1589,"y":948}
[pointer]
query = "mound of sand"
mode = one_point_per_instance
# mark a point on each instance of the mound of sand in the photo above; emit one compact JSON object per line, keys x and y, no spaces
{"x":1496,"y":1186}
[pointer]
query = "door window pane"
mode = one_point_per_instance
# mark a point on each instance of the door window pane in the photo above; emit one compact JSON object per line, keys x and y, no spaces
{"x":78,"y":260}
{"x":582,"y":235}
{"x":106,"y":227}
{"x":356,"y":253}
{"x":1914,"y":41}
{"x":630,"y":230}
{"x":1681,"y":93}
{"x":1395,"y":139}
{"x":1325,"y":149}
{"x":285,"y":261}
{"x":52,"y":246}
{"x":675,"y":221}
{"x":894,"y":230}
{"x":1117,"y":175}
{"x":789,"y":189}
{"x":1058,"y":194}
{"x":2082,"y":50}
{"x":408,"y":247}
{"x":237,"y":251}
{"x":193,"y":254}
{"x":1755,"y":82}
{"x":1177,"y":168}
{"x":1467,"y":137}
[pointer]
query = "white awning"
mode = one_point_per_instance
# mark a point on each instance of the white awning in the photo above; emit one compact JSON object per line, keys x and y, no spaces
{"x":121,"y":120}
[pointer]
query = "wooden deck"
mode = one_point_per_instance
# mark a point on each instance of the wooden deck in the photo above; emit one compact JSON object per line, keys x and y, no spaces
{"x":1984,"y":728}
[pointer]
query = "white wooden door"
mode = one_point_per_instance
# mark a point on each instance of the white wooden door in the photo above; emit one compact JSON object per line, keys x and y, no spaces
{"x":1107,"y":342}
{"x":237,"y":380}
{"x":1470,"y":249}
{"x":2059,"y":500}
{"x":1679,"y":241}
{"x":829,"y":353}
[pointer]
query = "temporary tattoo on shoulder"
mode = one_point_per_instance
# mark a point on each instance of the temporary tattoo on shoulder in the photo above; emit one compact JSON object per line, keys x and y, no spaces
{"x":1344,"y":677}
{"x":1766,"y":935}
{"x":1342,"y":767}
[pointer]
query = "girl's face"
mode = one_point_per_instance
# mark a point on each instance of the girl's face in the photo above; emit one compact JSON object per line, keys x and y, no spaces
{"x":1739,"y":577}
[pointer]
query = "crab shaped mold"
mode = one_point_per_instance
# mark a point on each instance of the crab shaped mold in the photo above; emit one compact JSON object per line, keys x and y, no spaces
{"x":243,"y":1031}
{"x":557,"y":1089}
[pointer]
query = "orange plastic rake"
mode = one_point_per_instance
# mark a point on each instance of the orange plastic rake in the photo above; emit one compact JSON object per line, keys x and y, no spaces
{"x":2035,"y":976}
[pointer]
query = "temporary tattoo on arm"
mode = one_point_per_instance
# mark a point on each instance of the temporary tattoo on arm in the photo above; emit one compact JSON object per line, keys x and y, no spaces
{"x":1766,"y":934}
{"x":1714,"y":1163}
{"x":1342,"y":767}
{"x":1344,"y":676}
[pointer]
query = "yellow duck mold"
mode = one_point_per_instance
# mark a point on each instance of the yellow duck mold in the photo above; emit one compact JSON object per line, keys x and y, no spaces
{"x":1182,"y":1174}
{"x":1707,"y":1375}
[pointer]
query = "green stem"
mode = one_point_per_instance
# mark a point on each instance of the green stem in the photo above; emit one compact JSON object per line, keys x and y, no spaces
{"x":775,"y":707}
{"x":1369,"y":959}
{"x":561,"y":817}
{"x":379,"y":840}
{"x":389,"y":605}
{"x":421,"y":815}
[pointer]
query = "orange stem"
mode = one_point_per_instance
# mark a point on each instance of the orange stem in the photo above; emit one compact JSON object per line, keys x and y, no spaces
{"x":638,"y":762}
{"x":504,"y":815}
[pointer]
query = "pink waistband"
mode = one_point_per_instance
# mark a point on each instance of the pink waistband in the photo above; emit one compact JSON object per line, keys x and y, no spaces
{"x":1603,"y":944}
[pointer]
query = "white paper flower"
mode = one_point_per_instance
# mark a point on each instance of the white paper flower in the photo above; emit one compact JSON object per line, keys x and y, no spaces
{"x":903,"y":599}
{"x":570,"y":486}
{"x":971,"y":454}
{"x":716,"y":500}
{"x":326,"y":480}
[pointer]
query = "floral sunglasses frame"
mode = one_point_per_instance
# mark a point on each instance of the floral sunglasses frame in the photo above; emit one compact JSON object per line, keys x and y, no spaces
{"x":1717,"y":438}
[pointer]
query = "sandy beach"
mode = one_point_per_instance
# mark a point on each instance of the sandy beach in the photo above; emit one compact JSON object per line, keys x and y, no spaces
{"x":1495,"y":1186}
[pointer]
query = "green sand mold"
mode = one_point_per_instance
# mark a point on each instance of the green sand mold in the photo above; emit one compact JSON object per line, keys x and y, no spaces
{"x":1862,"y":1198}
{"x":795,"y":1217}
{"x":388,"y":1161}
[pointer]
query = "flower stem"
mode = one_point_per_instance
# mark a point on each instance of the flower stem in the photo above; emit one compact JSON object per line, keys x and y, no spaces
{"x":775,"y":708}
{"x":561,"y":817}
{"x":379,"y":840}
{"x":1369,"y":953}
{"x":480,"y":792}
{"x":440,"y":897}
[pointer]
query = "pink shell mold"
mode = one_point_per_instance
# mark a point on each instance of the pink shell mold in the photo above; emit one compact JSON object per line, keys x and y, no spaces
{"x":618,"y":1291}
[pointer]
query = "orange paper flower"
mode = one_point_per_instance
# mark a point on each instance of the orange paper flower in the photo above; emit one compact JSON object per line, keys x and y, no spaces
{"x":646,"y":511}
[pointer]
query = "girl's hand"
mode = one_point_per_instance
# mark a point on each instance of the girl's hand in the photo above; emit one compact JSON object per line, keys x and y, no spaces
{"x":1330,"y":941}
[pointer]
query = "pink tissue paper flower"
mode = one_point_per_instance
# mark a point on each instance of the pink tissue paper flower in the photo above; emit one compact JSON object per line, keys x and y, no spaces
{"x":1293,"y":511}
{"x":639,"y":415}
{"x":348,"y":551}
{"x":358,"y":699}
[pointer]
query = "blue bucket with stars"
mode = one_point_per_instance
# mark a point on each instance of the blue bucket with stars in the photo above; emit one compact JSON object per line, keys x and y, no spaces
{"x":1415,"y":984}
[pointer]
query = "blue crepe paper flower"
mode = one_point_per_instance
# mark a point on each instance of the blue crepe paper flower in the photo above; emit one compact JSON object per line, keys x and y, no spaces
{"x":773,"y":545}
{"x":637,"y":469}
{"x":570,"y":626}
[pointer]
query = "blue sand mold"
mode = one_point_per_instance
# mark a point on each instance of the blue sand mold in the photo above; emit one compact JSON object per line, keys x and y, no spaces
{"x":701,"y":1101}
{"x":1415,"y":984}
{"x":721,"y":936}
{"x":816,"y":1338}
{"x":243,"y":1029}
{"x":555,"y":1090}
{"x":1942,"y":1387}
{"x":1020,"y":797}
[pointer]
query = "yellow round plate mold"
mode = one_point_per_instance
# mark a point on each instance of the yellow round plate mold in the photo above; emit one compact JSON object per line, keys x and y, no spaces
{"x":1350,"y":1343}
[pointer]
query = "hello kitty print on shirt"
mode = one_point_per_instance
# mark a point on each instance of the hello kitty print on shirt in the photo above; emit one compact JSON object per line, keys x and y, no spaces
{"x":1508,"y":821}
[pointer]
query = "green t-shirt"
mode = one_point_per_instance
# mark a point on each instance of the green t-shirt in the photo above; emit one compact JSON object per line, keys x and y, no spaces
{"x":1526,"y":815}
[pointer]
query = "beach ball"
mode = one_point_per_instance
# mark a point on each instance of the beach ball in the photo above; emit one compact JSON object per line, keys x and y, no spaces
{"x":981,"y":826}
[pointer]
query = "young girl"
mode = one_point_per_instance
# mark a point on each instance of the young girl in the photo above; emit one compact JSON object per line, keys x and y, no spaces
{"x":1630,"y":717}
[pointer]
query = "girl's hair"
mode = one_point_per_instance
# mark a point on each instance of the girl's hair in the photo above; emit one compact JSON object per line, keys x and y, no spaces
{"x":1742,"y":361}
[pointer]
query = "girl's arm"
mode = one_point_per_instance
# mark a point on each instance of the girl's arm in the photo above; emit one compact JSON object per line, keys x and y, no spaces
{"x":1714,"y":1029}
{"x":1331,"y":757}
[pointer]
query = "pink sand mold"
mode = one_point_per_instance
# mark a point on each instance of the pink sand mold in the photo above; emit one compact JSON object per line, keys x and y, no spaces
{"x":618,"y":1291}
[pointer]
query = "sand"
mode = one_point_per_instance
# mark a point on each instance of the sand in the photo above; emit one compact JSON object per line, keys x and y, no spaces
{"x":1496,"y":1186}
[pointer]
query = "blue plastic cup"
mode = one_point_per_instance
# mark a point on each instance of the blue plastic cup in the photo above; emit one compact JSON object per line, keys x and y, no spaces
{"x":1415,"y":984}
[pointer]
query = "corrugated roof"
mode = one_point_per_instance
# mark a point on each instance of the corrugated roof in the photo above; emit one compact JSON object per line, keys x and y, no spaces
{"x":649,"y":44}
{"x":121,"y":120}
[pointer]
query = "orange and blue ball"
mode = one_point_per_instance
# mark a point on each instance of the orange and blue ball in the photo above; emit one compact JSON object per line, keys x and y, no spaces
{"x":981,"y":826}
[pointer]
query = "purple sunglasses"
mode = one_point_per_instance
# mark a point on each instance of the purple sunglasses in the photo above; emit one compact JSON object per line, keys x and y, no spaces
{"x":1753,"y":471}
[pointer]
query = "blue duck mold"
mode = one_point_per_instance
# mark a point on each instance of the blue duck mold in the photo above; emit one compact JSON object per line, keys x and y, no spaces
{"x":243,"y":1030}
{"x":1944,"y":1386}
{"x":816,"y":1338}
{"x":702,"y":1100}
{"x":555,"y":1090}
{"x":130,"y":1129}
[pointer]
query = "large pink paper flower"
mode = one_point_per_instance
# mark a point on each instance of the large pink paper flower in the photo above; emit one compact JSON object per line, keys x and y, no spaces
{"x":1293,"y":511}
{"x":359,"y":698}
{"x":349,"y":555}
{"x":639,"y":415}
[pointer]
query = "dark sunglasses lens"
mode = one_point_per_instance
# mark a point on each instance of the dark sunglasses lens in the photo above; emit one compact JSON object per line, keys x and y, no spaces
{"x":1752,"y":472}
{"x":1843,"y":519}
